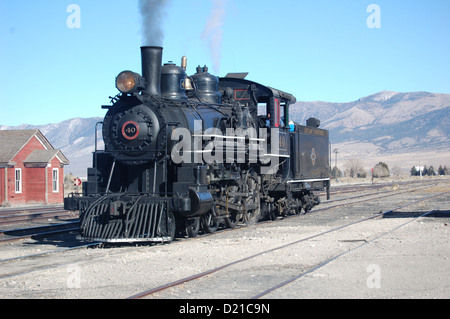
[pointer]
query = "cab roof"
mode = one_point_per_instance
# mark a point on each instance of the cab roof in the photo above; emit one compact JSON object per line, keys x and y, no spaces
{"x":248,"y":90}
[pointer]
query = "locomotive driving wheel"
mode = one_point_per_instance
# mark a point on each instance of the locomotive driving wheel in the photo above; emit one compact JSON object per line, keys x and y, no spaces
{"x":243,"y":201}
{"x":233,"y":206}
{"x":210,"y":222}
{"x":252,"y":201}
{"x":192,"y":227}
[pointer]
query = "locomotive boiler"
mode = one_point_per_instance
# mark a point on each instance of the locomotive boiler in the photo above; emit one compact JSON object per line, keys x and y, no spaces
{"x":188,"y":154}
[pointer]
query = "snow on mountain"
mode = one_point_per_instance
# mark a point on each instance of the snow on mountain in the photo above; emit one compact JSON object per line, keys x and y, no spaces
{"x":382,"y":96}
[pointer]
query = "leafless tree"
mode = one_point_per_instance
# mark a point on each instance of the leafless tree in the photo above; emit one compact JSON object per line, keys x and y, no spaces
{"x":396,"y":170}
{"x":354,"y":168}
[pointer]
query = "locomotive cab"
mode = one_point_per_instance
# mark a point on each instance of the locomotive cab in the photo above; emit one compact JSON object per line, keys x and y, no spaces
{"x":302,"y":152}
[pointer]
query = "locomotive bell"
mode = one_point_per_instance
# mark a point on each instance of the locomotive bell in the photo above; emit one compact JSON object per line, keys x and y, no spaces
{"x":188,"y":84}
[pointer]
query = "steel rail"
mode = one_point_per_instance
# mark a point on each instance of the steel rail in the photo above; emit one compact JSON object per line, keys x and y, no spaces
{"x":211,"y":271}
{"x":25,"y":210}
{"x":41,"y":254}
{"x":6,"y":220}
{"x":46,"y":230}
{"x":284,"y":283}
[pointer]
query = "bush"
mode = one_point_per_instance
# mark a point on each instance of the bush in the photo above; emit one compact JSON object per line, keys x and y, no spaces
{"x":442,"y":170}
{"x":381,"y":170}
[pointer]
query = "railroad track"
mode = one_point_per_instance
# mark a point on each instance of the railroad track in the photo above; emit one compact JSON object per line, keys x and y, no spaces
{"x":205,"y":274}
{"x":19,"y":210}
{"x":352,"y":188}
{"x":9,"y":236}
{"x":41,"y":231}
{"x":355,"y":200}
{"x":18,"y":216}
{"x":7,"y":219}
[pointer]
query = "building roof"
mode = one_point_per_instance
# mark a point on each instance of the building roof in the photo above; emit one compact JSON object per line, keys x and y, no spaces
{"x":12,"y":141}
{"x":43,"y":157}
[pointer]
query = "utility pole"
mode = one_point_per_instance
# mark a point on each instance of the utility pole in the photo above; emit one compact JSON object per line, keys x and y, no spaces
{"x":335,"y":169}
{"x":336,"y":151}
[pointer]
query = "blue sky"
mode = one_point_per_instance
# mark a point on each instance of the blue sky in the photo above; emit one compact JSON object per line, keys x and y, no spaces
{"x":316,"y":50}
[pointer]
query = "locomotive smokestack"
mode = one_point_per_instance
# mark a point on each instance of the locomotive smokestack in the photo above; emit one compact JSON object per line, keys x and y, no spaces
{"x":151,"y":69}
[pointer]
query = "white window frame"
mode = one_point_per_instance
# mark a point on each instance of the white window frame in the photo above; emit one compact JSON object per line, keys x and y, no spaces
{"x":18,"y":180}
{"x":55,"y":180}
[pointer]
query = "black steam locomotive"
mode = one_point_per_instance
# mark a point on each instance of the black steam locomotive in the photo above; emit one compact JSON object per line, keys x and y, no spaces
{"x":193,"y":153}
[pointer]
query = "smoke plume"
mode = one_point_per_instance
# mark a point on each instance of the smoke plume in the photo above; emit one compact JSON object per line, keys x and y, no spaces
{"x":152,"y":12}
{"x":213,"y":32}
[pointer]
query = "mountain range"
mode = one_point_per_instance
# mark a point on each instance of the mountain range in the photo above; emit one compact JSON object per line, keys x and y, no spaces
{"x":401,"y":129}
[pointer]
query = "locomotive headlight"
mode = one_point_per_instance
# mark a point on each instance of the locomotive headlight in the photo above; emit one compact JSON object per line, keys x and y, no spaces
{"x":129,"y":82}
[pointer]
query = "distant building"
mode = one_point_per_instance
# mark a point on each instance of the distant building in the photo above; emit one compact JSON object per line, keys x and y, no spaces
{"x":31,"y":170}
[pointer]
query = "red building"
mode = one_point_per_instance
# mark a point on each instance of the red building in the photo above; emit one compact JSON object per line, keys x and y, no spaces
{"x":31,"y":170}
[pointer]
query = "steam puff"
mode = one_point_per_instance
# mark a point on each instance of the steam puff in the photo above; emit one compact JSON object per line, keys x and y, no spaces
{"x":152,"y":12}
{"x":213,"y":32}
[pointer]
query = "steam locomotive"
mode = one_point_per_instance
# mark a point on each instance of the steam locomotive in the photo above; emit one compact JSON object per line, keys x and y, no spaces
{"x":189,"y":154}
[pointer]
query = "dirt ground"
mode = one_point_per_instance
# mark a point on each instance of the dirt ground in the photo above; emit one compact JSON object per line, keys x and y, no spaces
{"x":375,"y":259}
